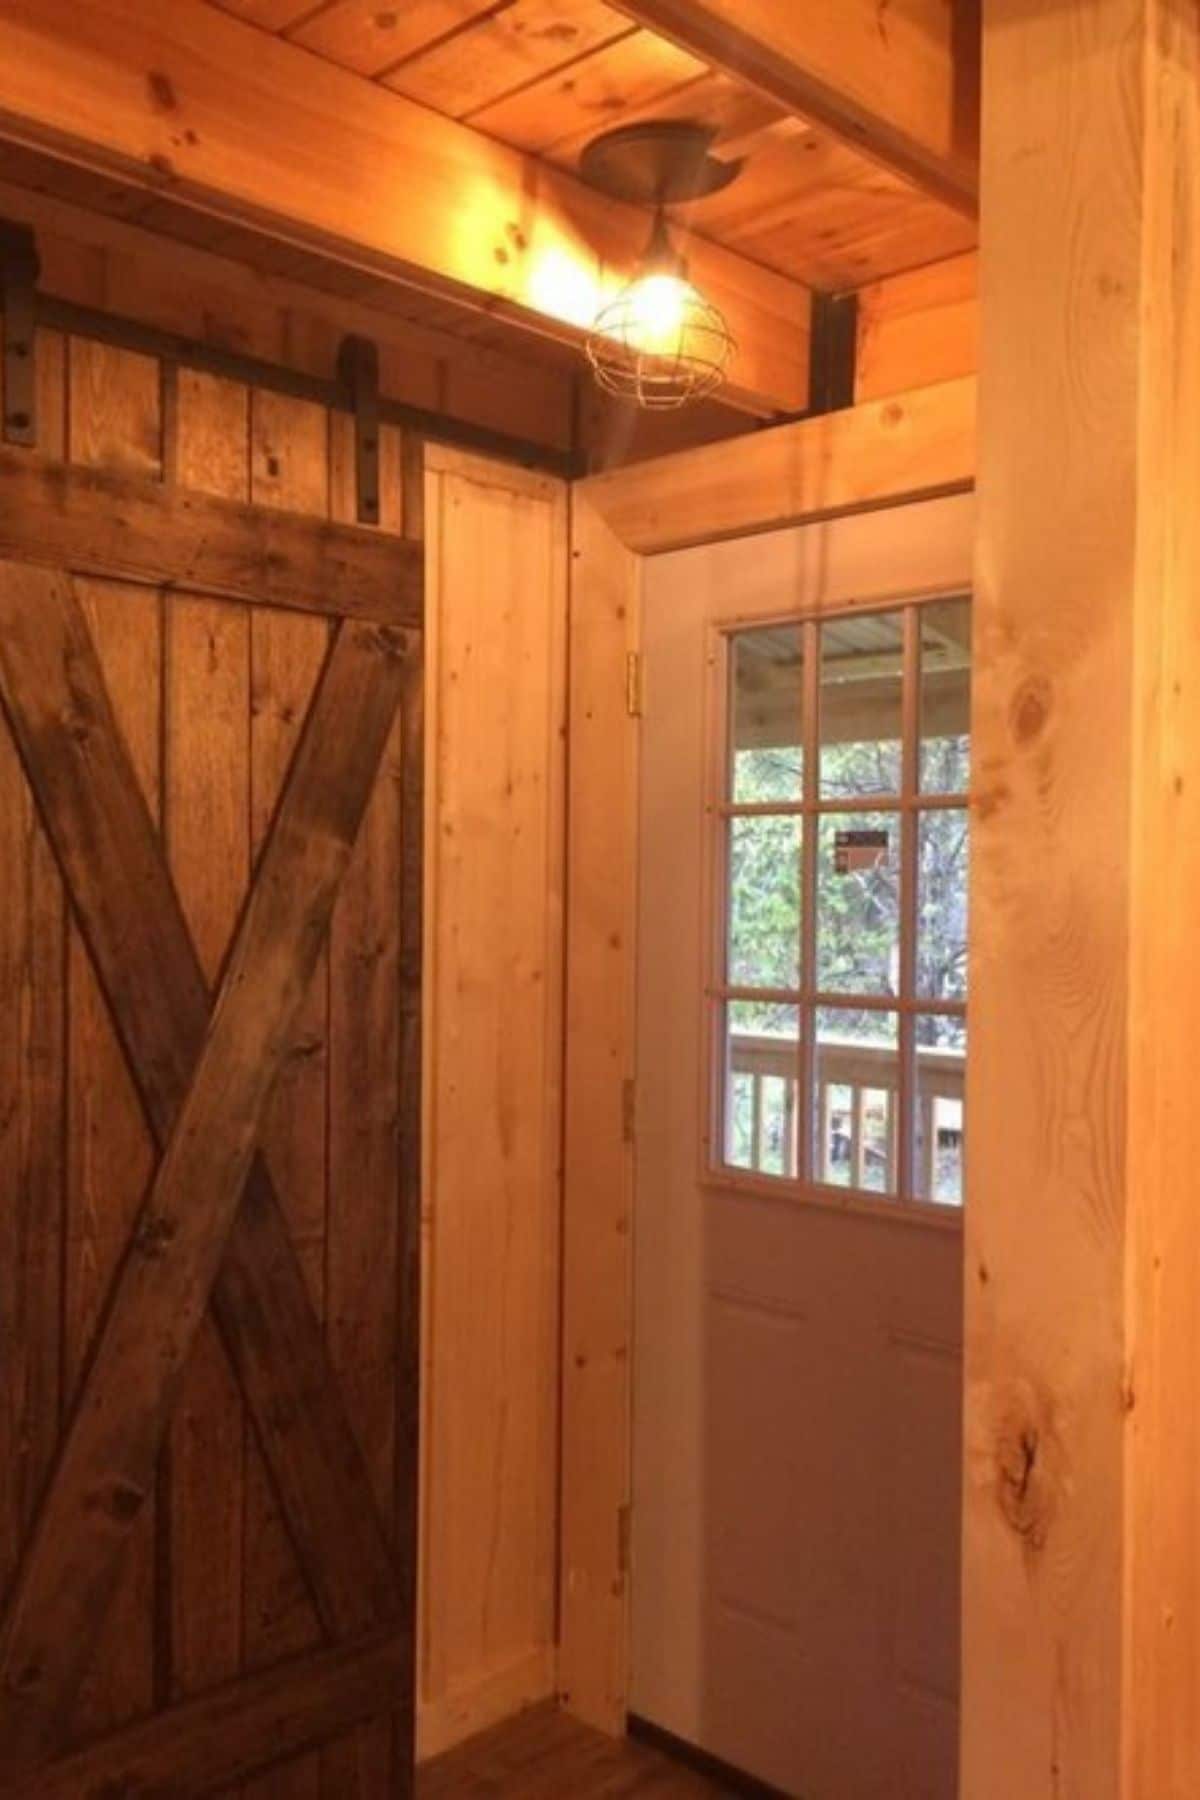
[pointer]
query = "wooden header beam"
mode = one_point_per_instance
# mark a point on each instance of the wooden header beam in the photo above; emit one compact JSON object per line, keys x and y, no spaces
{"x":903,"y":88}
{"x":201,"y":106}
{"x":908,"y":447}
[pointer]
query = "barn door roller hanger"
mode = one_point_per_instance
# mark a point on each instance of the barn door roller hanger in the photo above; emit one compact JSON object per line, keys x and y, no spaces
{"x":19,"y":270}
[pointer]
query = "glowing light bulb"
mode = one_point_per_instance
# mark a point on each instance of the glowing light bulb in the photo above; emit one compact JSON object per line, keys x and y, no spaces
{"x":657,"y":310}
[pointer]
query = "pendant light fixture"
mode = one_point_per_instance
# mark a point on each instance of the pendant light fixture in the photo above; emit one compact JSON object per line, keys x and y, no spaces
{"x":660,"y":342}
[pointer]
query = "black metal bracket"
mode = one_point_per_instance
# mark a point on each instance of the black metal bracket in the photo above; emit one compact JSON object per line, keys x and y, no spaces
{"x":358,"y":373}
{"x":19,"y":271}
{"x":353,"y":388}
{"x":833,"y":354}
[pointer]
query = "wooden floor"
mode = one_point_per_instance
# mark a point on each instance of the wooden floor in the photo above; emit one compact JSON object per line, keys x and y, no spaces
{"x":543,"y":1755}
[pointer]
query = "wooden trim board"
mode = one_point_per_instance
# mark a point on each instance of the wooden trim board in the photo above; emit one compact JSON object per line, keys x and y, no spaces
{"x":598,"y":1149}
{"x":490,"y":1699}
{"x":908,"y":447}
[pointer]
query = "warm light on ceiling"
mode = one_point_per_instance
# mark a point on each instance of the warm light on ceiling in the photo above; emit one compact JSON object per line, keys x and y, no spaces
{"x":660,"y":342}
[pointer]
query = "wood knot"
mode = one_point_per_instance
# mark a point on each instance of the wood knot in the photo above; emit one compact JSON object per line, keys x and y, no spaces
{"x":153,"y":1235}
{"x":991,"y":800}
{"x":1030,"y":709}
{"x":1026,"y":1487}
{"x":162,"y":92}
{"x":390,"y":639}
{"x":125,"y":1501}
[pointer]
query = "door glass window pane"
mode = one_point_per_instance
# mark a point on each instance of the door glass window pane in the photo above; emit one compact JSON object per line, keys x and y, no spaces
{"x":761,"y":1059}
{"x":764,"y":901}
{"x":862,"y":670}
{"x":816,"y":912}
{"x":942,"y":905}
{"x":939,"y":1127}
{"x":856,"y":1112}
{"x":766,"y":691}
{"x":858,"y":903}
{"x":945,"y":697}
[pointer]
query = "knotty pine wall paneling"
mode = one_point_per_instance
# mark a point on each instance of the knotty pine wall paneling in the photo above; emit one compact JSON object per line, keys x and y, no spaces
{"x":496,"y":540}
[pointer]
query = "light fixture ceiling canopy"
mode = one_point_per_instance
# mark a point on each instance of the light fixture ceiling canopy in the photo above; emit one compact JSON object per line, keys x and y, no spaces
{"x":658,"y":162}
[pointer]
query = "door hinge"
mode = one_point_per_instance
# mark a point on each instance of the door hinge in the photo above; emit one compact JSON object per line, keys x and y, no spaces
{"x":628,"y":1109}
{"x":624,"y":1523}
{"x":633,"y":685}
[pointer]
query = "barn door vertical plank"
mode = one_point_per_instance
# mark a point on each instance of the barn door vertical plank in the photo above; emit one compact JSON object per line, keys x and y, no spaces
{"x":31,"y":1006}
{"x":113,"y":421}
{"x":32,"y":1047}
{"x":364,"y":1046}
{"x":206,"y":819}
{"x":289,"y":467}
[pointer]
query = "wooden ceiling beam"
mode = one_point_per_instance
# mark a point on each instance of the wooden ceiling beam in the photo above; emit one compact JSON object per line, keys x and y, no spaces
{"x":903,"y":88}
{"x":202,"y":107}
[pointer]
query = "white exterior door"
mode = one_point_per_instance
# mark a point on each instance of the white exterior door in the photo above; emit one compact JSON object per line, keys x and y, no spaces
{"x":795,"y":1547}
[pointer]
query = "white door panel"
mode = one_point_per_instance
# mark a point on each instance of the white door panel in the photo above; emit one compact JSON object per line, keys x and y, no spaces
{"x":797,"y":1366}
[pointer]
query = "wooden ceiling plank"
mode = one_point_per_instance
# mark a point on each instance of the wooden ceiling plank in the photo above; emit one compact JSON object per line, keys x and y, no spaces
{"x":854,"y":243}
{"x":200,"y":107}
{"x":808,"y":202}
{"x":271,"y":15}
{"x":592,"y":94}
{"x":506,"y":50}
{"x":739,"y":116}
{"x":901,"y":87}
{"x":370,"y":36}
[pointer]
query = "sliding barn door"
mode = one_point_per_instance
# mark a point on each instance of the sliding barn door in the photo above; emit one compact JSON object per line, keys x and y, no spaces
{"x":210,"y":829}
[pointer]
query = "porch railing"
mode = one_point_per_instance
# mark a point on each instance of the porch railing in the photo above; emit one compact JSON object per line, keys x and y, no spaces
{"x":856,"y":1112}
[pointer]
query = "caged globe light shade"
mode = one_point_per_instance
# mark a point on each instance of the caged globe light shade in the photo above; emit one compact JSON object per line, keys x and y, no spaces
{"x":660,"y":342}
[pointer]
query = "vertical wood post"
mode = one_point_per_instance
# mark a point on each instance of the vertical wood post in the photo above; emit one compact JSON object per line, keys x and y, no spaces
{"x":1082,"y":1504}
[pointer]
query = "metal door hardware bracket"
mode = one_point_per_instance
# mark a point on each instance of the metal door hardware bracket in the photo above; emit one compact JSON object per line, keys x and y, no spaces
{"x":358,"y":372}
{"x":19,"y":270}
{"x":833,"y":352}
